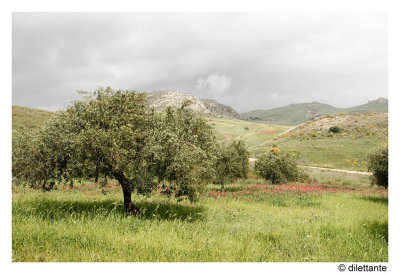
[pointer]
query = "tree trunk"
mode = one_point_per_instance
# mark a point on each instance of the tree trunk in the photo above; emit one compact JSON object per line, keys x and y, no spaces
{"x":96,"y":179}
{"x":222,"y":186}
{"x":130,"y":209}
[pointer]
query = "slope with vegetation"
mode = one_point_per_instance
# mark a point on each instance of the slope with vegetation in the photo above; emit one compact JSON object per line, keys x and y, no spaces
{"x":295,"y":114}
{"x":254,"y":134}
{"x":24,"y":118}
{"x":318,"y":144}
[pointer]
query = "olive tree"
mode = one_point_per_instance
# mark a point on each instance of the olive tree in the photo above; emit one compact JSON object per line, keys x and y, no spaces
{"x":277,"y":168}
{"x":114,"y":133}
{"x":182,"y":151}
{"x":232,"y":162}
{"x":43,"y":156}
{"x":378,"y":164}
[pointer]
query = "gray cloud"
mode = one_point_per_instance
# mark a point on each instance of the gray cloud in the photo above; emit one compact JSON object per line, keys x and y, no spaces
{"x":246,"y":60}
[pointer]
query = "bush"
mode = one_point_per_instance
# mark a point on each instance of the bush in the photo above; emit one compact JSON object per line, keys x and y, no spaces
{"x":275,"y":150}
{"x":277,"y":168}
{"x":335,"y":129}
{"x":378,"y":164}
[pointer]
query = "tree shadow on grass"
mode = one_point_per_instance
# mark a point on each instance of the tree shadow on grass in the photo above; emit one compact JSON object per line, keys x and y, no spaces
{"x":51,"y":209}
{"x":228,"y":188}
{"x":170,"y":211}
{"x":377,"y":229}
{"x":375,"y":199}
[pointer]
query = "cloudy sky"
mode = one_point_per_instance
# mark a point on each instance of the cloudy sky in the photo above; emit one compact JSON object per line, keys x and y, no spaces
{"x":245,"y":60}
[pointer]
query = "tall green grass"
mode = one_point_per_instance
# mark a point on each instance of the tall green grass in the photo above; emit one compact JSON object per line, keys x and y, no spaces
{"x":89,"y":226}
{"x":342,"y":153}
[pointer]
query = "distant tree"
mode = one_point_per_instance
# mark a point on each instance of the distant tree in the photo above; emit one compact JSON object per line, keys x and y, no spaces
{"x":232,"y":162}
{"x":113,"y":133}
{"x":378,"y":164}
{"x":277,"y":168}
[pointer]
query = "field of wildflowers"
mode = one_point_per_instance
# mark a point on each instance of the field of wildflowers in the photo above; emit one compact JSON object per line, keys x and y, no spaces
{"x":252,"y":221}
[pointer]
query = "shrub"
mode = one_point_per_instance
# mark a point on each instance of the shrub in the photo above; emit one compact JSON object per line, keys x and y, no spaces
{"x":335,"y":129}
{"x":378,"y":164}
{"x":277,"y":168}
{"x":275,"y":150}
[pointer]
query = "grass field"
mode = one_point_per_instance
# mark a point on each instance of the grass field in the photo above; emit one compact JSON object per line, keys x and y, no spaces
{"x":361,"y":134}
{"x":337,"y":218}
{"x":340,"y":178}
{"x":333,"y":224}
{"x":24,"y":118}
{"x":254,"y":134}
{"x":334,"y":153}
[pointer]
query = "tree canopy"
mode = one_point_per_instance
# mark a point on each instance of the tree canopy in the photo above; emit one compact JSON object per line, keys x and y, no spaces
{"x":114,"y":133}
{"x":232,"y":162}
{"x":277,"y":168}
{"x":378,"y":164}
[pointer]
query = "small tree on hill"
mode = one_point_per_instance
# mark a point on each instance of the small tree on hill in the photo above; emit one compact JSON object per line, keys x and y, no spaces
{"x":277,"y":168}
{"x":379,"y":166}
{"x":232,"y":162}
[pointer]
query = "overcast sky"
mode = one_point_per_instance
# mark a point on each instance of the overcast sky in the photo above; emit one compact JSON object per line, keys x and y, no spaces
{"x":245,"y":60}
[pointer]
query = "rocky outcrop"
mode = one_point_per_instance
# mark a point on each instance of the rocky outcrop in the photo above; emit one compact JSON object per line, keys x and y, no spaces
{"x":163,"y":99}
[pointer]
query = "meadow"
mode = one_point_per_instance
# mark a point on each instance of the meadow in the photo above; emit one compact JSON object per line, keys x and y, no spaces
{"x":256,"y":135}
{"x":360,"y":134}
{"x":332,"y":217}
{"x":251,"y":222}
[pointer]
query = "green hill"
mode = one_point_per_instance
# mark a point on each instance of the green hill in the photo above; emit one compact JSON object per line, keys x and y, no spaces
{"x":24,"y":118}
{"x":254,"y":134}
{"x":360,"y":134}
{"x":292,"y":114}
{"x":381,"y":104}
{"x":295,"y":114}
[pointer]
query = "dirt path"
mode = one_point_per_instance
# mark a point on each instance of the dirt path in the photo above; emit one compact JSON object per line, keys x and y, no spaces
{"x":339,"y":170}
{"x":252,"y":160}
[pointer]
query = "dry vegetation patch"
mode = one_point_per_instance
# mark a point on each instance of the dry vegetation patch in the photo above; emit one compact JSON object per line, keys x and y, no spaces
{"x":353,"y":125}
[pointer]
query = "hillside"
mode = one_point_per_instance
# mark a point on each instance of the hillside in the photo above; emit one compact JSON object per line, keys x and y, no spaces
{"x":162,"y":99}
{"x":295,"y":114}
{"x":254,"y":134}
{"x":380,"y":104}
{"x":360,"y":134}
{"x":29,"y":118}
{"x":292,"y":114}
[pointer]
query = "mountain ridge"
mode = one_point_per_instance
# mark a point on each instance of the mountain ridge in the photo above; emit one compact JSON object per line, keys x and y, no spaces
{"x":294,"y":114}
{"x":163,"y":99}
{"x":289,"y":115}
